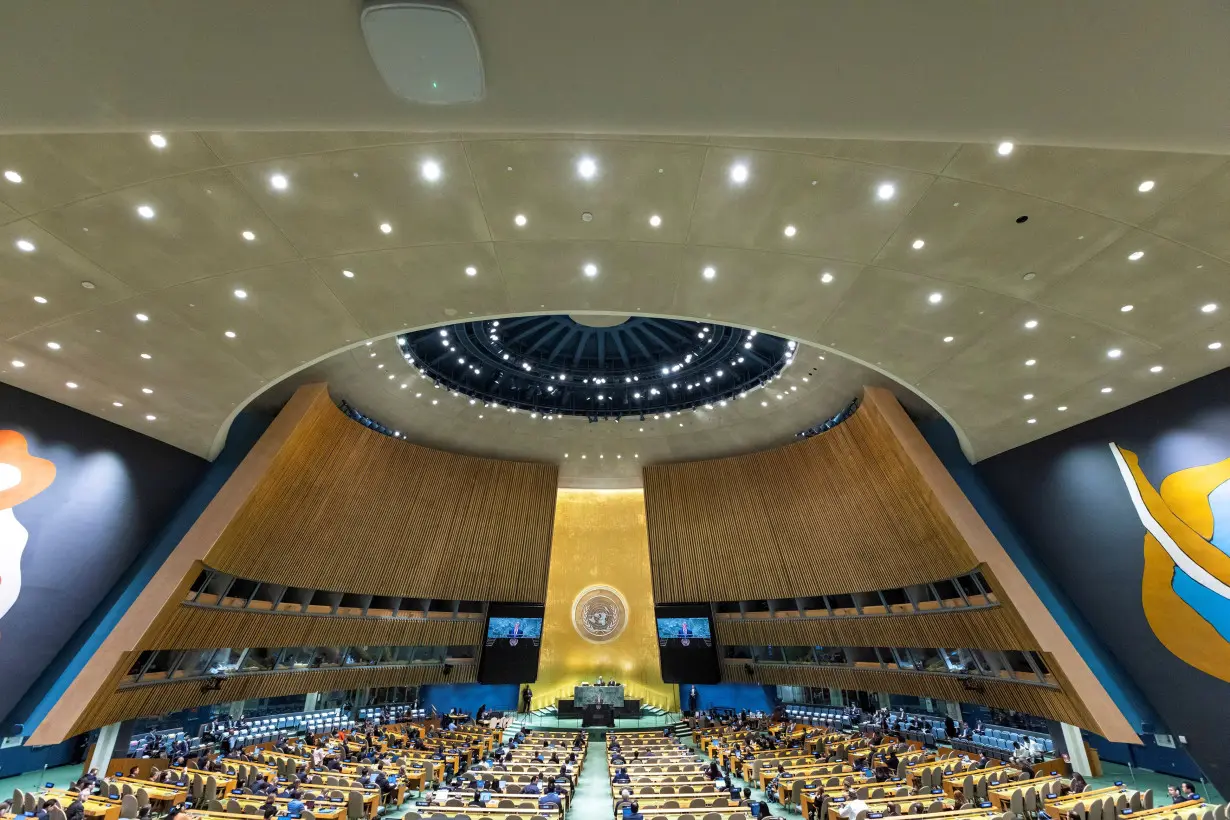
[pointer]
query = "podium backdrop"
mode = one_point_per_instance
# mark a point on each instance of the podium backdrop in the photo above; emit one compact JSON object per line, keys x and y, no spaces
{"x":600,"y":584}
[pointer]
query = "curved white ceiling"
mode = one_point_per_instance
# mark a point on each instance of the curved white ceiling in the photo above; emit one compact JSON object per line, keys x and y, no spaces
{"x":953,"y":318}
{"x":1095,"y":73}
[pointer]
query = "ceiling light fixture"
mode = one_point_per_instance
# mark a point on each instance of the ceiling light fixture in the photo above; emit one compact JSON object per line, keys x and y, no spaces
{"x":738,"y":173}
{"x":386,"y":227}
{"x":24,"y":245}
{"x":240,"y":293}
{"x":430,"y":170}
{"x":790,"y":230}
{"x":1107,"y":389}
{"x":1135,"y":255}
{"x":141,"y":317}
{"x":655,"y":221}
{"x":1157,"y":368}
{"x":147,"y":390}
{"x":1145,"y":187}
{"x":13,"y":177}
{"x":519,"y":220}
{"x":591,"y":270}
{"x":586,"y":167}
{"x":1004,"y":148}
{"x":826,"y":277}
{"x":471,"y":271}
{"x":145,"y":211}
{"x":279,"y":182}
{"x":709,"y":272}
{"x":53,"y":345}
{"x":151,"y":417}
{"x":1209,"y":308}
{"x":948,"y":339}
{"x":1031,"y":324}
{"x":248,"y":235}
{"x":918,"y":244}
{"x":18,"y":363}
{"x":117,"y":404}
{"x":42,"y":300}
{"x":158,"y":140}
{"x":1031,"y":421}
{"x":230,"y":334}
{"x":146,"y":356}
{"x":1030,"y":362}
{"x":886,"y":191}
{"x":71,"y":385}
{"x":349,"y":274}
{"x":1114,"y":353}
{"x":1126,"y":309}
{"x":1214,"y":345}
{"x":935,"y":298}
{"x":1028,"y":397}
{"x":1062,"y":408}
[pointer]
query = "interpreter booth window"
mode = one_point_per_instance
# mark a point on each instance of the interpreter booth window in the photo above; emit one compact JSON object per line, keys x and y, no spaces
{"x":864,"y":657}
{"x":948,"y":593}
{"x":258,"y":660}
{"x":193,"y":664}
{"x":798,"y":654}
{"x":238,"y":593}
{"x":770,"y":654}
{"x":831,"y":656}
{"x":297,"y":657}
{"x":352,"y":604}
{"x":756,"y":609}
{"x":461,"y":653}
{"x":842,"y":606}
{"x":738,"y":653}
{"x":902,"y":658}
{"x":785,"y":607}
{"x":225,"y":660}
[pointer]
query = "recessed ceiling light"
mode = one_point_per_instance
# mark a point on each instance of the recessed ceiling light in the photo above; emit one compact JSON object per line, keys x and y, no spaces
{"x":1107,"y":389}
{"x":13,"y":177}
{"x":1031,"y":324}
{"x":279,"y":182}
{"x":947,"y":339}
{"x":1028,"y":397}
{"x":349,"y":274}
{"x":117,"y":404}
{"x":150,"y":417}
{"x":1209,"y":308}
{"x":655,"y":221}
{"x":158,"y":140}
{"x":886,"y":191}
{"x":709,"y":272}
{"x":826,"y":277}
{"x":918,"y":244}
{"x":1134,"y":255}
{"x":230,"y":334}
{"x":147,"y":390}
{"x":1157,"y":368}
{"x":141,"y":317}
{"x":1062,"y":408}
{"x":145,"y":211}
{"x":519,"y":220}
{"x":146,"y":356}
{"x":53,"y":345}
{"x":430,"y":170}
{"x":1030,"y":362}
{"x":1031,"y":421}
{"x":586,"y":167}
{"x":240,"y":293}
{"x":1126,"y":309}
{"x":42,"y":300}
{"x":25,"y":245}
{"x":1214,"y":345}
{"x":935,"y":298}
{"x":738,"y":173}
{"x":790,"y":230}
{"x":18,"y":363}
{"x":1004,"y":148}
{"x":386,"y":227}
{"x":1114,"y":353}
{"x":71,"y":385}
{"x":248,"y":235}
{"x":591,"y":270}
{"x":1145,"y":187}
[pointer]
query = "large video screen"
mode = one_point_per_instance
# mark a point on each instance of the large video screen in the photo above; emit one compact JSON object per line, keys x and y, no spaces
{"x":510,"y":652}
{"x":685,"y":644}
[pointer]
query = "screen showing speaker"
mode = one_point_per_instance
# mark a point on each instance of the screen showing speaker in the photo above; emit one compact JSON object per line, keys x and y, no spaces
{"x":686,"y":648}
{"x":510,"y":651}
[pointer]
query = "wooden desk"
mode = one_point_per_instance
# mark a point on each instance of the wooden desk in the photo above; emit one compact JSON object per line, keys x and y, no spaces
{"x":956,"y":780}
{"x":431,"y":810}
{"x":97,"y":807}
{"x":879,"y":804}
{"x":1001,"y":795}
{"x":1068,"y":803}
{"x":1173,"y":810}
{"x":158,"y":792}
{"x":809,"y":795}
{"x":725,"y":811}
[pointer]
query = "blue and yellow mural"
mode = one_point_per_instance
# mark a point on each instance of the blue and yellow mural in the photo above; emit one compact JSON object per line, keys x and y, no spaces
{"x":1186,"y":585}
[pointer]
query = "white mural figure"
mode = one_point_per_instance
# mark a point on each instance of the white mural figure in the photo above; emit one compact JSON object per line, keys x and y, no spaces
{"x":22,"y":477}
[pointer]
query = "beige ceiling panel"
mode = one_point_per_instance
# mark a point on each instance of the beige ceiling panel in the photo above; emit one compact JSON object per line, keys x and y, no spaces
{"x":1165,"y":289}
{"x":1198,"y":218}
{"x":196,"y":230}
{"x":972,"y":236}
{"x":60,"y":168}
{"x":928,"y":157}
{"x":833,"y":205}
{"x":632,"y":277}
{"x":407,"y":288}
{"x":286,"y":318}
{"x":52,"y":272}
{"x":888,"y":320}
{"x":235,"y":147}
{"x":752,"y":288}
{"x":1101,"y":181}
{"x":335,"y":203}
{"x":632,"y":182}
{"x":7,"y":214}
{"x":991,"y":374}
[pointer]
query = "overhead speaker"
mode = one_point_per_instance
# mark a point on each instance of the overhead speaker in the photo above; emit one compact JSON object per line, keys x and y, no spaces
{"x":425,"y":51}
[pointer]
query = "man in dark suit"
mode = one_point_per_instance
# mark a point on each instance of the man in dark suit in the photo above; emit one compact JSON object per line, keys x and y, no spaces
{"x":526,"y":696}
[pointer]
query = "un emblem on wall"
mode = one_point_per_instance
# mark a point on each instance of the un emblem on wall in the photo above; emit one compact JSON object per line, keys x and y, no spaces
{"x":599,"y":614}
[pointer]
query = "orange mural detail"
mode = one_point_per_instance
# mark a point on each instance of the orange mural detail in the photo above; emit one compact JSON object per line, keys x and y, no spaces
{"x":22,"y":476}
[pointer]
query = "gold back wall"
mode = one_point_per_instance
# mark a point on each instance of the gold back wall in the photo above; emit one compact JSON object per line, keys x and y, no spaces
{"x":600,"y":540}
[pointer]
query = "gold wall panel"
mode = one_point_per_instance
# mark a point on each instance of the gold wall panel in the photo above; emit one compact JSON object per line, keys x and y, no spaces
{"x":839,"y":512}
{"x":989,"y":628}
{"x":1021,"y":697}
{"x":345,"y":508}
{"x":600,"y":539}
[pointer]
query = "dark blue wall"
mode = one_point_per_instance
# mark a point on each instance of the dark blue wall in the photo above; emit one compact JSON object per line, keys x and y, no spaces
{"x":469,"y":696}
{"x":1066,"y":497}
{"x":56,"y":677}
{"x":114,"y":489}
{"x":749,"y":696}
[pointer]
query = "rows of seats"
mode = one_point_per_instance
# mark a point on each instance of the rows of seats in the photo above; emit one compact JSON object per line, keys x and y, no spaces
{"x":819,"y":716}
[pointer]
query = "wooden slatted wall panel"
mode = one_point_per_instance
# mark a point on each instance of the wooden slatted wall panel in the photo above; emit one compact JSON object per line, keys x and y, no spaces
{"x":194,"y":627}
{"x":159,"y":699}
{"x":345,"y":508}
{"x":1020,"y":697}
{"x":838,"y":512}
{"x":992,"y":628}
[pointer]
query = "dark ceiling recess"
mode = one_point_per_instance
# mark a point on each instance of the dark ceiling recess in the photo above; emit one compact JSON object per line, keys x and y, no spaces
{"x":555,"y":365}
